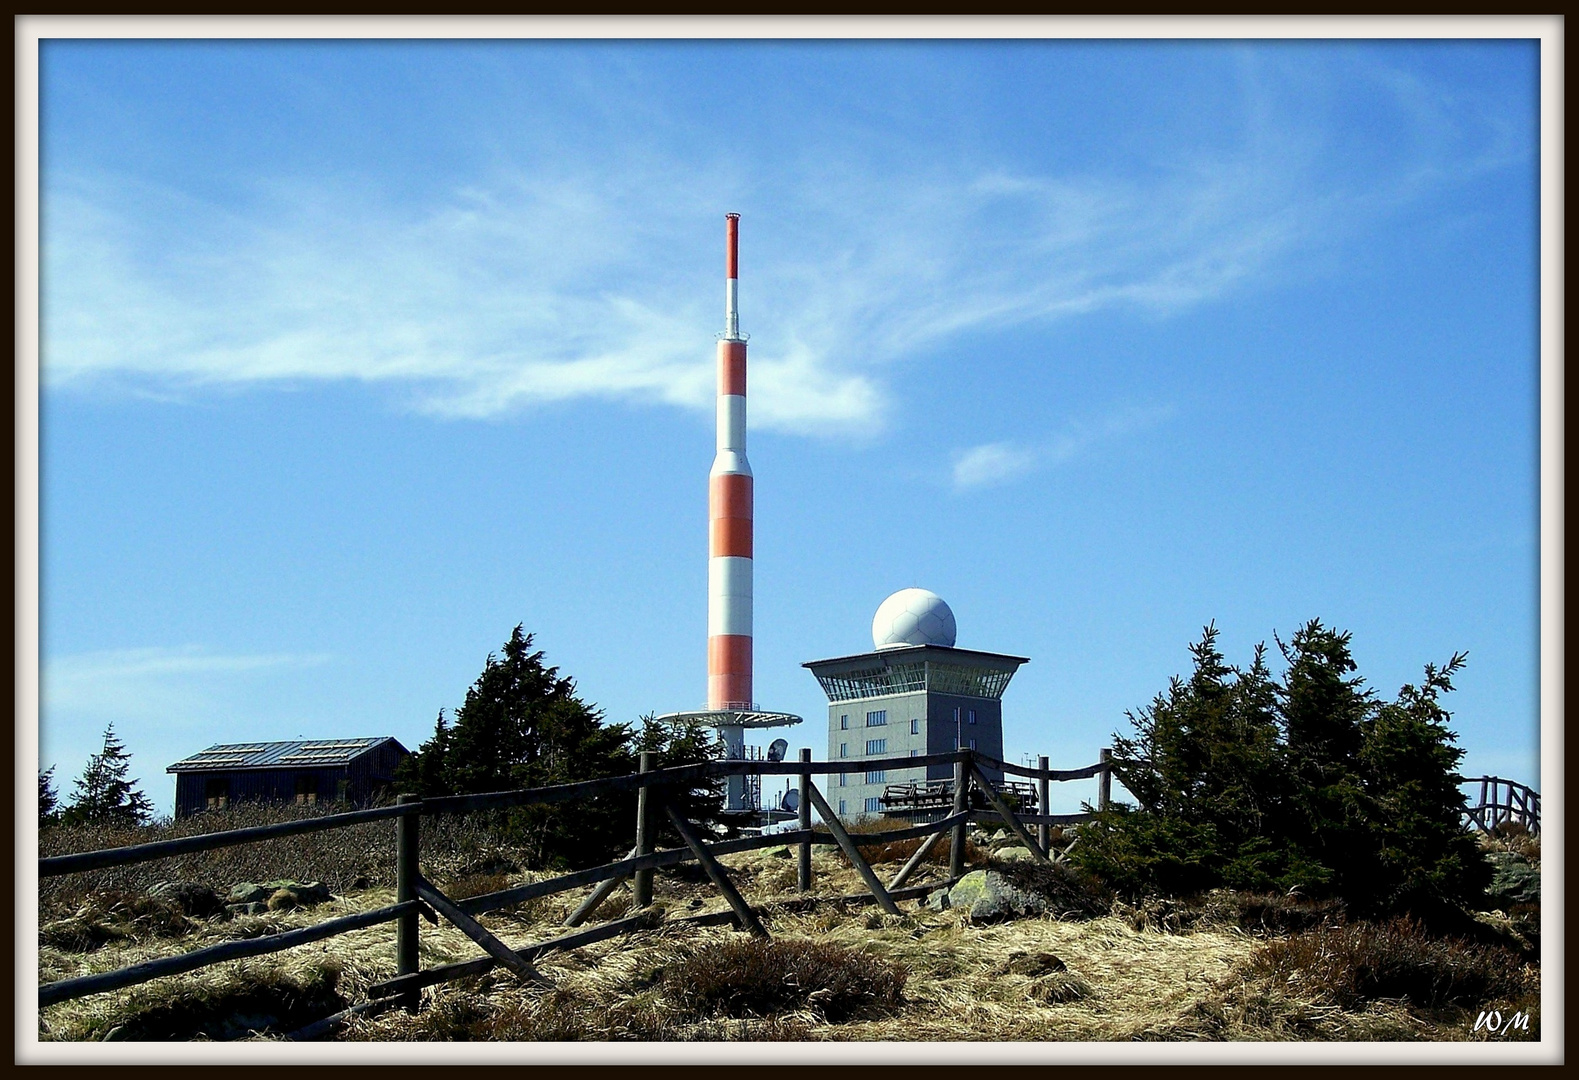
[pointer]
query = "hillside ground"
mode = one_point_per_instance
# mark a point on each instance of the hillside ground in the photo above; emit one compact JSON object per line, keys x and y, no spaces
{"x":1223,"y":967}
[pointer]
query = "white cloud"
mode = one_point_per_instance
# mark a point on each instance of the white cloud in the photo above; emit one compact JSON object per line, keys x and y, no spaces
{"x":165,"y":703}
{"x":150,"y":683}
{"x":1002,"y":462}
{"x":603,"y":281}
{"x":993,"y":463}
{"x":494,"y":303}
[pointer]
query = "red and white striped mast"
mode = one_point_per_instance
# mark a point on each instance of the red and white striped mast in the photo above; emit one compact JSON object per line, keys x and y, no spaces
{"x":730,"y":709}
{"x":729,"y":509}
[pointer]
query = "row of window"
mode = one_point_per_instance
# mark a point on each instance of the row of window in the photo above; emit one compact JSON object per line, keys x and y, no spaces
{"x":880,"y":746}
{"x":879,"y":718}
{"x":873,"y":806}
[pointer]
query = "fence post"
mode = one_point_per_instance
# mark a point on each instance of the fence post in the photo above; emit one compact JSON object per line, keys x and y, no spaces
{"x":641,"y":884}
{"x":406,"y":874}
{"x":803,"y":812}
{"x":1105,"y":784}
{"x":1044,"y":831}
{"x":956,"y":850}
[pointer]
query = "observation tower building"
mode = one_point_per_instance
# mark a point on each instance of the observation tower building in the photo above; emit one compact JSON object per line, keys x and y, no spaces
{"x":915,"y":693}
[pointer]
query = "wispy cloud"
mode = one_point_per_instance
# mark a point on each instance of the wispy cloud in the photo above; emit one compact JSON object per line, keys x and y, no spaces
{"x":997,"y":463}
{"x":164,"y":703}
{"x":148,"y":683}
{"x":590,"y":281}
{"x":993,"y":463}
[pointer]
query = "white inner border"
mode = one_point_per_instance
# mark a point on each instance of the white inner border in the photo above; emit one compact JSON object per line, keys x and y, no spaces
{"x":1547,"y":29}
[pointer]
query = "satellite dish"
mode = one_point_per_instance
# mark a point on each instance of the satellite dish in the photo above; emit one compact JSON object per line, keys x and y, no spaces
{"x":777,"y":748}
{"x":790,"y":801}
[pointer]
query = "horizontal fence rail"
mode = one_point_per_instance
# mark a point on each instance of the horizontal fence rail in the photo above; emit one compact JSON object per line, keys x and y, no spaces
{"x":642,"y":860}
{"x":1502,"y":801}
{"x":56,"y":865}
{"x":66,"y":989}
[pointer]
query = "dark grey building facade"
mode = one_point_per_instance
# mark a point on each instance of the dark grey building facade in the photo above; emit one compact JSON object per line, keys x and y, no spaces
{"x":904,"y":701}
{"x":356,"y":772}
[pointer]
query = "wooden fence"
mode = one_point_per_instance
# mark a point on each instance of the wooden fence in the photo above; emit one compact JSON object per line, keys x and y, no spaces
{"x":975,"y":799}
{"x":1503,"y":801}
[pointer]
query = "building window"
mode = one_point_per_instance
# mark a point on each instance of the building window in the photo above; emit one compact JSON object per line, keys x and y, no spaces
{"x":306,"y":790}
{"x":876,"y":776}
{"x":877,"y":746}
{"x":877,"y":719}
{"x":216,"y":792}
{"x":915,"y":753}
{"x":844,"y":722}
{"x":841,"y":807}
{"x":970,"y":716}
{"x":973,"y":744}
{"x":844,"y":749}
{"x":874,"y":806}
{"x":956,"y":715}
{"x":842,"y":778}
{"x":915,"y":727}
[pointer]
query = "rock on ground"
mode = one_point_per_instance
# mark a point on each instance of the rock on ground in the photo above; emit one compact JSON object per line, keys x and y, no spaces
{"x":254,"y":898}
{"x":987,"y":896}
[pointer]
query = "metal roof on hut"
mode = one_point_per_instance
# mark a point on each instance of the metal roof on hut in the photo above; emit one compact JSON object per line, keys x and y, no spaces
{"x":264,"y":755}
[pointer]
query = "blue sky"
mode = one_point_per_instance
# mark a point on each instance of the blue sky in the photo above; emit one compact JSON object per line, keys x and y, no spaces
{"x":355,"y":355}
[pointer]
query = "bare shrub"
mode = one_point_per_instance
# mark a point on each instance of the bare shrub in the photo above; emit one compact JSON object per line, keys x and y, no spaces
{"x":275,"y":1003}
{"x":346,"y":859}
{"x":1396,"y":960}
{"x":750,"y":977}
{"x":355,"y":856}
{"x":471,"y":885}
{"x":1281,"y":914}
{"x":899,"y":850}
{"x":115,"y":916}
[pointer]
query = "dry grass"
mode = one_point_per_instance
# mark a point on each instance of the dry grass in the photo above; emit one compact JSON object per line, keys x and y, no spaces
{"x":1352,"y":965}
{"x":1223,"y":967}
{"x":347,"y":860}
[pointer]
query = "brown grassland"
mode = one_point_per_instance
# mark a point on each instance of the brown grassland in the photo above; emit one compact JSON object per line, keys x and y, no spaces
{"x":1223,"y":967}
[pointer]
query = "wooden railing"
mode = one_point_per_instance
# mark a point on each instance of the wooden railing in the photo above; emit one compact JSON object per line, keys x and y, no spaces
{"x":416,"y":897}
{"x":1503,"y":801}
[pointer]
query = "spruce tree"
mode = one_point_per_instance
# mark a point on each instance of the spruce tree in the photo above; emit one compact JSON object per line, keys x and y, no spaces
{"x":1421,"y":855}
{"x":423,"y":772}
{"x":48,"y":801}
{"x":1324,"y":709}
{"x":103,"y":794}
{"x":1311,"y":781}
{"x":677,"y":742}
{"x":522,"y":725}
{"x":1205,"y":766}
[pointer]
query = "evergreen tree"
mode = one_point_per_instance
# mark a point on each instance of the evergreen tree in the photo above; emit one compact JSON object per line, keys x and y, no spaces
{"x":1205,"y":766}
{"x":674,"y":743}
{"x":48,"y":801}
{"x":1251,"y":782}
{"x":1324,"y":710}
{"x":103,"y":794}
{"x":1422,"y":855}
{"x":522,"y":725}
{"x":423,"y":772}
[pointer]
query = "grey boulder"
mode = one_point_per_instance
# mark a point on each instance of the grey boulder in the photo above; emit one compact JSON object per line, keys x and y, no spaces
{"x":987,"y":896}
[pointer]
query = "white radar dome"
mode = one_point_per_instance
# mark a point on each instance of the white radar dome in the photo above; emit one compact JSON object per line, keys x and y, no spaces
{"x":913,"y":617}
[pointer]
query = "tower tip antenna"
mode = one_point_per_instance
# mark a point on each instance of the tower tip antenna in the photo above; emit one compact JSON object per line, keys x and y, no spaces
{"x":731,"y":277}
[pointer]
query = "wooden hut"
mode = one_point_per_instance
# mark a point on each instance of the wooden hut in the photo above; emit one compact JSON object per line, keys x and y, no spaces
{"x":350,"y":771}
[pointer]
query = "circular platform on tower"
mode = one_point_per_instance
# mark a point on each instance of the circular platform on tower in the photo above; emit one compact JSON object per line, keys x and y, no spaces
{"x":740,"y":717}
